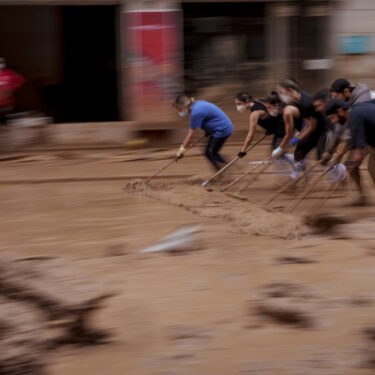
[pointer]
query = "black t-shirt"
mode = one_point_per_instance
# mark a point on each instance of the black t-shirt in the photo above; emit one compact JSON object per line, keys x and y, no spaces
{"x":306,"y":109}
{"x":362,"y":124}
{"x":272,"y":124}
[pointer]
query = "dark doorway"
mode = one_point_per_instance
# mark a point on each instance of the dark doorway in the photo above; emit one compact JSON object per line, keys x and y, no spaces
{"x":67,"y":55}
{"x":223,"y":43}
{"x":89,"y":63}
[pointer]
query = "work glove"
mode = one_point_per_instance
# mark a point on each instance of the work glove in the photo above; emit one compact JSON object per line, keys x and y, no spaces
{"x":276,"y":152}
{"x":180,"y":153}
{"x":241,"y":154}
{"x":293,"y":142}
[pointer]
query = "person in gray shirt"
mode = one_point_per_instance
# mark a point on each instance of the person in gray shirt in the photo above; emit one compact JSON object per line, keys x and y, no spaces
{"x":352,"y":96}
{"x":361,"y":121}
{"x":343,"y":90}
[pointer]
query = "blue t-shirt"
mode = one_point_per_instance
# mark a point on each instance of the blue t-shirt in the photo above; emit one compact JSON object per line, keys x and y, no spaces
{"x":211,"y":119}
{"x":362,"y":124}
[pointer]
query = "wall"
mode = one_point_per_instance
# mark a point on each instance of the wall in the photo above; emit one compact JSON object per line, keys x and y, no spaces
{"x":37,"y":30}
{"x":354,"y":18}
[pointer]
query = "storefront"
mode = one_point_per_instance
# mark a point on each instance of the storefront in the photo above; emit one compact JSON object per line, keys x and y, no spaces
{"x":126,"y":60}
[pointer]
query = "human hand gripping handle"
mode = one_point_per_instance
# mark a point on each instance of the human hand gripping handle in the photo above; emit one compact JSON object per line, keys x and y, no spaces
{"x":242,"y":154}
{"x":180,"y":153}
{"x":293,"y":142}
{"x":276,"y":152}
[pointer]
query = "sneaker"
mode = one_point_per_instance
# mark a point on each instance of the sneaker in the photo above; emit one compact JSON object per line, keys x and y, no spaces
{"x":338,"y":173}
{"x":298,"y":169}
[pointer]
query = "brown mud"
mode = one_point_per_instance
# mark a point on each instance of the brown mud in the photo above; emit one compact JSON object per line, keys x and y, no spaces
{"x":264,"y":295}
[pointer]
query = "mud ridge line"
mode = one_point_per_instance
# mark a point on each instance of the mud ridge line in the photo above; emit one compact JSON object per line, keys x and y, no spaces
{"x":244,"y":219}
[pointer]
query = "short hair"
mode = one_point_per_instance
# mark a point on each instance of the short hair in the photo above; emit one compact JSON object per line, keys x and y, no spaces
{"x":334,"y":105}
{"x":244,"y":96}
{"x":272,"y":98}
{"x":340,"y":84}
{"x":323,"y":95}
{"x":289,"y":84}
{"x":183,"y":101}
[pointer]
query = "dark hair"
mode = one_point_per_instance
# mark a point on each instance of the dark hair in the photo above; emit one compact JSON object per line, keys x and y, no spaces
{"x":340,"y":84}
{"x":322,"y":95}
{"x":273,"y":98}
{"x":183,"y":101}
{"x":244,"y":97}
{"x":334,"y":105}
{"x":294,"y":80}
{"x":289,"y":83}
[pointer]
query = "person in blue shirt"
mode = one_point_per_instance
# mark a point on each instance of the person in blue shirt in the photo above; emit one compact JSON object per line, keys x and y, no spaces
{"x":212,"y":120}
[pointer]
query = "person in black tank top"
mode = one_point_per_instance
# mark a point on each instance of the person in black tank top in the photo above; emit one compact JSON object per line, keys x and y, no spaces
{"x":299,"y":105}
{"x":266,"y":115}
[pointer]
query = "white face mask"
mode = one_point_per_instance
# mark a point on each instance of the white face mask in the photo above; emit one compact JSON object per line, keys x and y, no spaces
{"x":241,"y":108}
{"x":183,"y":113}
{"x":273,"y":112}
{"x":286,"y":98}
{"x":2,"y":65}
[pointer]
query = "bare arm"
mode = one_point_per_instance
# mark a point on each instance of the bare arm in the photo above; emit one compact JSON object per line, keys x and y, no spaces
{"x":254,"y":117}
{"x":188,"y":138}
{"x":309,"y":128}
{"x":289,"y":114}
{"x":341,"y":150}
{"x":358,"y":154}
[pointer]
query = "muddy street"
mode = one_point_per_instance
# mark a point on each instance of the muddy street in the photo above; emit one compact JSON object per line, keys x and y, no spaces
{"x":260,"y":292}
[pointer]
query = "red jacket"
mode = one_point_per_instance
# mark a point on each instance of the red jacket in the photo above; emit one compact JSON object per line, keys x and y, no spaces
{"x":9,"y":82}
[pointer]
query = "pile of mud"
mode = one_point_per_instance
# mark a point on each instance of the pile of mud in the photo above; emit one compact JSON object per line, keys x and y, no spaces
{"x":39,"y":313}
{"x":245,"y":217}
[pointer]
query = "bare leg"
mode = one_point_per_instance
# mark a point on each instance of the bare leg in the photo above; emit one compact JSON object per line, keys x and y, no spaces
{"x":356,"y":177}
{"x":371,"y":165}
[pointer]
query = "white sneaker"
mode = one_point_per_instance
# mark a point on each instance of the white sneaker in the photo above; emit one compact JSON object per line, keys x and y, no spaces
{"x":298,"y":169}
{"x":338,"y":173}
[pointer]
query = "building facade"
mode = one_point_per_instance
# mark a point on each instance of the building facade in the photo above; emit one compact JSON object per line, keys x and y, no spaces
{"x":108,"y":60}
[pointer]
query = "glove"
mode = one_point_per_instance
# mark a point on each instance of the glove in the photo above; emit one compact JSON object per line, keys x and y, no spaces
{"x":207,"y":134}
{"x":241,"y":154}
{"x":180,"y":152}
{"x":293,"y":141}
{"x":276,"y":152}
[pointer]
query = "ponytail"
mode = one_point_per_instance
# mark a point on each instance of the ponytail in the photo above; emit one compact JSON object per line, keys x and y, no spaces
{"x":244,"y":97}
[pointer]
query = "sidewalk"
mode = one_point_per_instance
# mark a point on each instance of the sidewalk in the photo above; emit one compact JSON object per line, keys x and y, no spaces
{"x":93,"y":135}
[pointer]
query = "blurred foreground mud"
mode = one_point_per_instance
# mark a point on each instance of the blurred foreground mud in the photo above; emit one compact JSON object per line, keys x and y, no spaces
{"x":263,"y":294}
{"x":40,"y":313}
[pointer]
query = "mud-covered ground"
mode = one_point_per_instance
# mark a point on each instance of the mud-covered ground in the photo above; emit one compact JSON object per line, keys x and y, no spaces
{"x":262,"y":293}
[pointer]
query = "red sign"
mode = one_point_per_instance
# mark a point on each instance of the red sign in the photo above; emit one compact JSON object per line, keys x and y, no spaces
{"x":153,"y":47}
